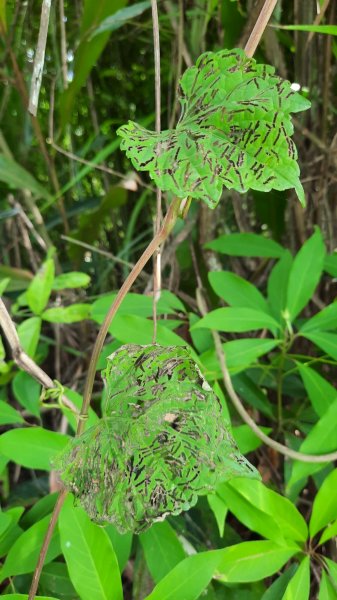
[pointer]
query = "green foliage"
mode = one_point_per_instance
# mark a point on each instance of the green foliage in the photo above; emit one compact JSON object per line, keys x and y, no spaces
{"x":160,"y":444}
{"x":234,"y":131}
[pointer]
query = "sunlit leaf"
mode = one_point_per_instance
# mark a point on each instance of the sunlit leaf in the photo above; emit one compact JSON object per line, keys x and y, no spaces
{"x":234,"y":131}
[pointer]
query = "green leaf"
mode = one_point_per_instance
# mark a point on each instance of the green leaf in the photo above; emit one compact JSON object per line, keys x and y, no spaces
{"x":329,"y":533}
{"x":136,"y":304}
{"x":27,"y":392}
{"x":122,"y":545}
{"x":237,"y":319}
{"x":162,"y":441}
{"x":32,"y":447}
{"x":252,"y":561}
{"x":324,"y":508}
{"x":236,"y":291}
{"x":239,"y":355}
{"x":299,"y":586}
{"x":24,"y":597}
{"x":162,"y":549}
{"x":90,"y":557}
{"x":246,"y":244}
{"x":188,"y":579}
{"x":332,"y":566}
{"x":278,"y":587}
{"x":330,"y":264}
{"x":321,"y":393}
{"x":74,"y":279}
{"x":43,"y":507}
{"x":29,"y":333}
{"x":325,"y":341}
{"x":326,"y":29}
{"x":305,"y":274}
{"x":321,"y":439}
{"x":13,"y":532}
{"x":278,"y":284}
{"x":67,"y":314}
{"x":219,"y":509}
{"x":326,"y":589}
{"x":8,"y":414}
{"x":18,"y":178}
{"x":119,"y":18}
{"x":229,"y":133}
{"x":55,"y":580}
{"x":23,"y":555}
{"x":325,"y":319}
{"x":263,"y":510}
{"x":246,"y":439}
{"x":39,"y":290}
{"x":130,"y":329}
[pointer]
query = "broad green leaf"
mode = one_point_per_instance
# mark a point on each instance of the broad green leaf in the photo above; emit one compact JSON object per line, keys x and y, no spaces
{"x":67,"y":314}
{"x":13,"y":531}
{"x":321,"y":439}
{"x":332,"y":566}
{"x":5,"y":521}
{"x":121,"y":17}
{"x":29,"y":333}
{"x":55,"y":580}
{"x":229,"y":133}
{"x":326,"y":590}
{"x":24,"y":553}
{"x":136,"y":304}
{"x":325,"y":341}
{"x":252,"y":561}
{"x":32,"y":447}
{"x":305,"y":274}
{"x":19,"y":179}
{"x":39,"y":290}
{"x":236,"y":291}
{"x":324,"y":320}
{"x":87,"y":51}
{"x":246,"y":439}
{"x":8,"y":414}
{"x":321,"y":393}
{"x":188,"y":579}
{"x":246,"y":244}
{"x":278,"y":284}
{"x":239,"y":355}
{"x":162,"y":549}
{"x":150,"y":458}
{"x":27,"y":392}
{"x":43,"y":507}
{"x":329,"y":533}
{"x":237,"y":320}
{"x":264,"y":511}
{"x":252,"y":393}
{"x":130,"y":329}
{"x":90,"y":557}
{"x":122,"y":545}
{"x":74,"y":279}
{"x":330,"y":264}
{"x":324,"y":508}
{"x":219,"y":509}
{"x":299,"y":586}
{"x":278,"y":587}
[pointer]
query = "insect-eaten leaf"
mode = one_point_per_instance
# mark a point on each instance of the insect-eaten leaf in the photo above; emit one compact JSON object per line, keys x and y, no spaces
{"x":162,"y":441}
{"x":234,"y":131}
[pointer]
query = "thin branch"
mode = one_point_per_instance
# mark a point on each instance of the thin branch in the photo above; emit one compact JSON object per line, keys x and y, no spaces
{"x":23,"y":360}
{"x":63,"y":45}
{"x":39,"y":58}
{"x":259,"y":27}
{"x":281,"y":448}
{"x":157,"y":254}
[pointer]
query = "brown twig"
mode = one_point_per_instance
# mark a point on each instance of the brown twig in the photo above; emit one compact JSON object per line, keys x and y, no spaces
{"x":259,"y":27}
{"x":23,"y":360}
{"x":39,"y":58}
{"x":157,"y":254}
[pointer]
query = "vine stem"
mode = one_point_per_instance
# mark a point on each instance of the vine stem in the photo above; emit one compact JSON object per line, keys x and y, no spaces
{"x":157,"y":253}
{"x":259,"y":27}
{"x":281,"y":448}
{"x":176,"y":207}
